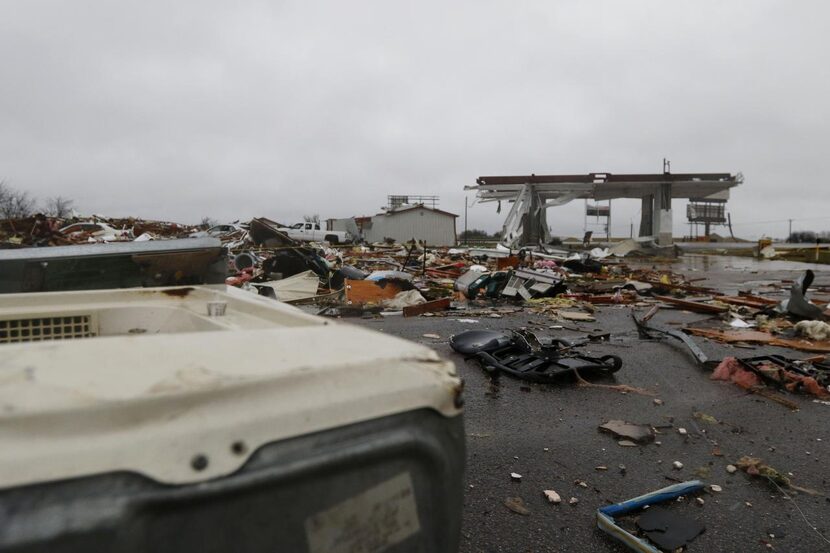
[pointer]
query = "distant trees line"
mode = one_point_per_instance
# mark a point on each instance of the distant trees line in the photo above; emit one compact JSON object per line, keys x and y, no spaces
{"x":802,"y":236}
{"x":17,"y":204}
{"x":476,"y":234}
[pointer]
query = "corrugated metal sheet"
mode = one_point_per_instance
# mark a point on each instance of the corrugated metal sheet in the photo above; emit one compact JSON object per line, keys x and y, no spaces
{"x":434,"y":227}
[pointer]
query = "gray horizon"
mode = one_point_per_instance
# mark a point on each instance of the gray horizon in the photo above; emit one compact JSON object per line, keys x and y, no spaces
{"x":191,"y":109}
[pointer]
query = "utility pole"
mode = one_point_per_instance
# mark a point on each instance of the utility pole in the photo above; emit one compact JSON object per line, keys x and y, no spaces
{"x":465,"y":219}
{"x":790,"y":234}
{"x":608,"y":224}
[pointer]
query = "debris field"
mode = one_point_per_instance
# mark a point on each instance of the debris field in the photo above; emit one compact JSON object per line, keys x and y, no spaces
{"x":591,"y":378}
{"x":759,"y":451}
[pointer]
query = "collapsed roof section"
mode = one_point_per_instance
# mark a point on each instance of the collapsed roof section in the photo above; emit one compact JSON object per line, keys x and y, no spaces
{"x":531,"y":195}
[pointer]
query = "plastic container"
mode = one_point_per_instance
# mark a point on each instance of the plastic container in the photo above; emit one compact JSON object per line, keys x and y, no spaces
{"x":151,"y":426}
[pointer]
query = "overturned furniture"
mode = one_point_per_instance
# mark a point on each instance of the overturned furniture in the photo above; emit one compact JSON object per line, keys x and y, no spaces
{"x":146,"y":428}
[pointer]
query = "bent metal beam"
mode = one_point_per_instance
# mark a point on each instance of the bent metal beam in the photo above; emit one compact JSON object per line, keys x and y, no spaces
{"x":531,"y":195}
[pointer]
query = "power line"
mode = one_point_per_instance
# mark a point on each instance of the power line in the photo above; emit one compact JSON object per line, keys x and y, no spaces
{"x":781,"y":221}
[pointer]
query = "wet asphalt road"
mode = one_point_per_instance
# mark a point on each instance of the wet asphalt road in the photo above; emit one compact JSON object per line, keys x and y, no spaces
{"x":509,"y":425}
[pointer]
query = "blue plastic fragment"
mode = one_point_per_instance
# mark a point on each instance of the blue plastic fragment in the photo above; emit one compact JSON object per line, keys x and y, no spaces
{"x":605,"y":515}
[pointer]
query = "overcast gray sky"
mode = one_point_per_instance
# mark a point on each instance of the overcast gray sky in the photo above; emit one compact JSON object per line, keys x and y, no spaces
{"x":178,"y":110}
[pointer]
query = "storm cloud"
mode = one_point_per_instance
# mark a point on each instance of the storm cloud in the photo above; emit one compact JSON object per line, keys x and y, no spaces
{"x":179,"y":110}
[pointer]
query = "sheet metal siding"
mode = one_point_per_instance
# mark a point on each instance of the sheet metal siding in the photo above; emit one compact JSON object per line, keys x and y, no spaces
{"x":436,"y":229}
{"x":339,"y":224}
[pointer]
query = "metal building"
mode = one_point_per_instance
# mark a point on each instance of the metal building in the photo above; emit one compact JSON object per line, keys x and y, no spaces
{"x":417,"y":222}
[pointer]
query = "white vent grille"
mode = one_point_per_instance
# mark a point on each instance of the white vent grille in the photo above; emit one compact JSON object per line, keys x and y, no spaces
{"x":35,"y":329}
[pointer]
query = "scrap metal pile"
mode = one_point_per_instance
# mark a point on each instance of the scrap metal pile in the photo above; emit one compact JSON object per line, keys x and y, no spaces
{"x":412,"y":279}
{"x":760,"y":318}
{"x":42,"y":231}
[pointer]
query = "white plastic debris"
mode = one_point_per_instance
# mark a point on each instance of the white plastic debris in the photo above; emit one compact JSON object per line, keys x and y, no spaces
{"x":739,"y":323}
{"x":715,"y":488}
{"x":700,"y":501}
{"x":677,"y":465}
{"x":403,"y":299}
{"x":515,"y":476}
{"x":553,"y":497}
{"x":682,"y":431}
{"x":573,"y":501}
{"x":731,"y":469}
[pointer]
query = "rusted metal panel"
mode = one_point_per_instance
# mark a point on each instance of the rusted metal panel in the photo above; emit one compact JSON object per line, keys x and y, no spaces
{"x":503,"y":263}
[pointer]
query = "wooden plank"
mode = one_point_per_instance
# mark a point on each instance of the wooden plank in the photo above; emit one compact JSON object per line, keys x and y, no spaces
{"x":692,"y":305}
{"x":576,"y":316}
{"x":429,"y":307}
{"x":758,"y":299}
{"x":760,"y":337}
{"x":747,"y":302}
{"x":368,"y":291}
{"x":601,"y":299}
{"x":683,"y":287}
{"x":801,"y":344}
{"x":730,"y":336}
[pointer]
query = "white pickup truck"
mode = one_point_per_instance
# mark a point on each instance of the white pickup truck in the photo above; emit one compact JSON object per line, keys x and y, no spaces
{"x":311,"y":232}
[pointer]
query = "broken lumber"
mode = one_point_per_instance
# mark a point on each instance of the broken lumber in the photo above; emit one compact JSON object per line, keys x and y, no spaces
{"x":760,"y":337}
{"x":369,"y":291}
{"x":429,"y":307}
{"x":692,"y":305}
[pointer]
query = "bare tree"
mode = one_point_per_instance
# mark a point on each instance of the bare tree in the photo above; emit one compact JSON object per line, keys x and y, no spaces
{"x":207,"y":222}
{"x":15,"y":204}
{"x":58,"y":207}
{"x":312,"y":218}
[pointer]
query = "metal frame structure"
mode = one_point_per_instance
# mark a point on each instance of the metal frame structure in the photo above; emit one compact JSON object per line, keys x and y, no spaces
{"x":531,"y":196}
{"x":706,"y":212}
{"x":601,"y":215}
{"x":398,"y":200}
